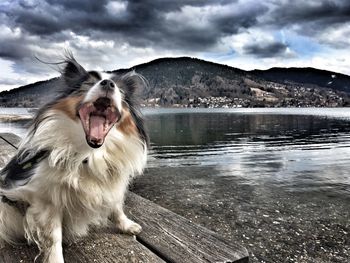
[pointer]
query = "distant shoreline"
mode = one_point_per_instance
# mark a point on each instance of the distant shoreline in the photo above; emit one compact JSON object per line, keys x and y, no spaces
{"x":333,"y":111}
{"x":15,"y":117}
{"x":33,"y":110}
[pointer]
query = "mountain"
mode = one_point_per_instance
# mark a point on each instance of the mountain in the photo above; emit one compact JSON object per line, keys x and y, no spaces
{"x":193,"y":82}
{"x":321,"y":78}
{"x":32,"y":95}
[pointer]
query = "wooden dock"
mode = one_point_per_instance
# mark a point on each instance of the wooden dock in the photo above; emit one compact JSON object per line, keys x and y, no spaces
{"x":166,"y":236}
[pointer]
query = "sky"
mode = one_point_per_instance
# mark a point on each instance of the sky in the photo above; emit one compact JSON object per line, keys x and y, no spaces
{"x":112,"y":34}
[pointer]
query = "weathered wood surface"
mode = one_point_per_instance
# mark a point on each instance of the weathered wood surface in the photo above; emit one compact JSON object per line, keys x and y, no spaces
{"x":176,"y":239}
{"x":7,"y":150}
{"x":97,"y":247}
{"x":166,"y":236}
{"x":10,"y":138}
{"x":104,"y":246}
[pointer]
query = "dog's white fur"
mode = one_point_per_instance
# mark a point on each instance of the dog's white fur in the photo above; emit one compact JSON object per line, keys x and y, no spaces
{"x":64,"y":189}
{"x":65,"y":194}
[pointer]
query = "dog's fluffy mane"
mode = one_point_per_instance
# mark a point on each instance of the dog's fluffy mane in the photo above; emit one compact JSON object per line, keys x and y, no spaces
{"x":54,"y":165}
{"x":49,"y":129}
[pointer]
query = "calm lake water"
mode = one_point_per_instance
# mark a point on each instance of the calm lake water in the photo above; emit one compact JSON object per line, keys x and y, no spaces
{"x":275,"y":180}
{"x":300,"y":149}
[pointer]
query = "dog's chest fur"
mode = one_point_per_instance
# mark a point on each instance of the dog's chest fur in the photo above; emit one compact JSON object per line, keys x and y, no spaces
{"x":85,"y":185}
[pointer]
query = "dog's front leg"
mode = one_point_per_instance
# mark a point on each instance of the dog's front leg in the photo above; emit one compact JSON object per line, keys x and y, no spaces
{"x":123,"y":223}
{"x":43,"y":225}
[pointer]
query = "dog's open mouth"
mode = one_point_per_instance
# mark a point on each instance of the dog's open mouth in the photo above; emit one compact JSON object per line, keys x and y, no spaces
{"x":97,"y":119}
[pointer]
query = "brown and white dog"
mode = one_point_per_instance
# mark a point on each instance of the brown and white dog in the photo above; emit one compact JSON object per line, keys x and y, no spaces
{"x":74,"y":166}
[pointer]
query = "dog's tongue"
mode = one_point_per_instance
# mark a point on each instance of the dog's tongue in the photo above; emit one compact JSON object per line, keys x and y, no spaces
{"x":97,"y":131}
{"x":97,"y":119}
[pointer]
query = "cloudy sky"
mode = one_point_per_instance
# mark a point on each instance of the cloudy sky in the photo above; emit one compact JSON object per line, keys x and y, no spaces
{"x":111,"y":34}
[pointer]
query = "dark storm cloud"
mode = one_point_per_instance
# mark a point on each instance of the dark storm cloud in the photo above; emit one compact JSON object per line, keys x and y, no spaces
{"x":141,"y":23}
{"x":266,"y":50}
{"x":190,"y":26}
{"x":13,"y":50}
{"x":324,"y":11}
{"x":310,"y":17}
{"x":39,"y":24}
{"x":244,"y":17}
{"x":90,"y":6}
{"x":82,"y":17}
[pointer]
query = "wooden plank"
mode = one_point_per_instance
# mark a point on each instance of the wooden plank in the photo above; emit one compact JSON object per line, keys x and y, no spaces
{"x":105,"y":245}
{"x":11,"y":138}
{"x":176,"y":239}
{"x":101,"y":245}
{"x":6,"y":150}
{"x":18,"y":253}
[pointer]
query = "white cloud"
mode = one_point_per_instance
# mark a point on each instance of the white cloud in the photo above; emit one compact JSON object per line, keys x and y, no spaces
{"x":116,"y":7}
{"x":10,"y":79}
{"x":8,"y":33}
{"x":194,"y":17}
{"x":239,"y":41}
{"x":337,"y":36}
{"x":339,"y":61}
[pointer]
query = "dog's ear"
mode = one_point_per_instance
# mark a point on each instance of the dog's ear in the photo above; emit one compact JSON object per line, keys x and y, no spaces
{"x":73,"y":72}
{"x":132,"y":82}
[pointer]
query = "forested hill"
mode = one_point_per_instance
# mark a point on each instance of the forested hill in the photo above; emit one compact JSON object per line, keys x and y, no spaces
{"x":192,"y":82}
{"x":306,"y":75}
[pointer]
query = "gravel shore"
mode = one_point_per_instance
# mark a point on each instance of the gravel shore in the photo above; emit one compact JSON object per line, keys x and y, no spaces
{"x":273,"y":223}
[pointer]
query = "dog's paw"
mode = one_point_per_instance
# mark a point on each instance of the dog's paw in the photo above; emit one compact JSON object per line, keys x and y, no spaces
{"x":128,"y":226}
{"x":134,"y":229}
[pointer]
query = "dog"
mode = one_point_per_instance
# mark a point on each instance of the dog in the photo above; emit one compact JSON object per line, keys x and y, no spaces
{"x":73,"y":167}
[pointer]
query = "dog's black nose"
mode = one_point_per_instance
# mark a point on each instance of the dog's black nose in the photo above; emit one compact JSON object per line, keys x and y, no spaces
{"x":107,"y":85}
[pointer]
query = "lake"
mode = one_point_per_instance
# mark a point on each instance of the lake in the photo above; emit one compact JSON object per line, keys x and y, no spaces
{"x":275,"y":180}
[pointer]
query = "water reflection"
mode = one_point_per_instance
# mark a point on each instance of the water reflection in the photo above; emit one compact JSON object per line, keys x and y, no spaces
{"x":16,"y":127}
{"x":294,"y":151}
